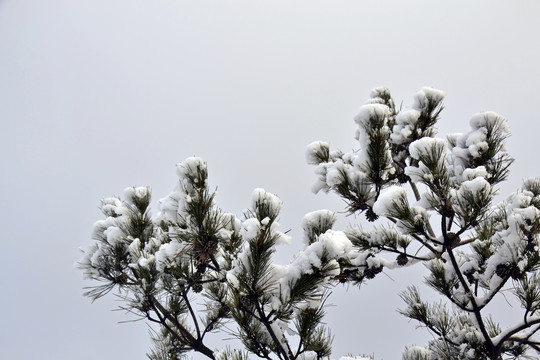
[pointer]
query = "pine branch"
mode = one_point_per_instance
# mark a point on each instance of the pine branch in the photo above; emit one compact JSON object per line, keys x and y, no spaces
{"x":282,"y":353}
{"x":186,"y":337}
{"x":476,"y":309}
{"x":419,"y":239}
{"x":516,"y":329}
{"x":192,"y":313}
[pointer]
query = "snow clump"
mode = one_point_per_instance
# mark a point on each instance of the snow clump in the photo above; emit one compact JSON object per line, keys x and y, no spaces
{"x":385,"y":204}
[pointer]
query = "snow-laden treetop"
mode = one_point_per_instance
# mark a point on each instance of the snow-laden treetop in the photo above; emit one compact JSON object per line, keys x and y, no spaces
{"x":431,"y":199}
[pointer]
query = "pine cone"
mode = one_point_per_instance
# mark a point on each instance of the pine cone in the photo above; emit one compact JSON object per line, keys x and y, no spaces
{"x":370,"y":215}
{"x":402,"y":259}
{"x":370,"y":273}
{"x":509,"y":270}
{"x":197,"y":288}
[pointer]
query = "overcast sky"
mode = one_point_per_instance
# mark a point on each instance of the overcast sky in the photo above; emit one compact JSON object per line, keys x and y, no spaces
{"x":99,"y":95}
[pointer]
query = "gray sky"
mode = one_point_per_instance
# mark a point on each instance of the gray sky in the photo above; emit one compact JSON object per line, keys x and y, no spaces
{"x":99,"y":95}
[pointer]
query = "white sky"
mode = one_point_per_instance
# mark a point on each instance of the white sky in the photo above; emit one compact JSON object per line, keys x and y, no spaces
{"x":99,"y":95}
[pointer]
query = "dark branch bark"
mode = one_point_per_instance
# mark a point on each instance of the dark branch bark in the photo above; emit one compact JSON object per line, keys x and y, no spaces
{"x":186,"y":337}
{"x":476,"y":309}
{"x":266,"y":323}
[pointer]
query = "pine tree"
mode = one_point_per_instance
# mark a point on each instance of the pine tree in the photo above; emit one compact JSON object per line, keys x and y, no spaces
{"x":431,"y":201}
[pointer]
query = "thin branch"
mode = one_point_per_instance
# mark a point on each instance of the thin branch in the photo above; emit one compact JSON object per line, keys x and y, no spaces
{"x":163,"y":322}
{"x":415,"y":191}
{"x":418,"y":238}
{"x":384,"y":248}
{"x":515,"y":330}
{"x":472,"y":299}
{"x":266,"y":323}
{"x":487,"y":299}
{"x":192,"y":313}
{"x":195,"y":344}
